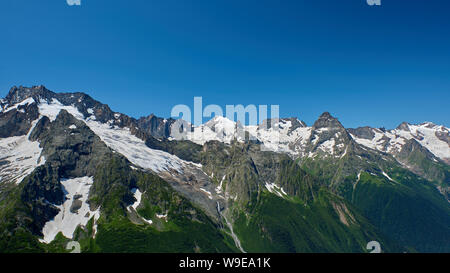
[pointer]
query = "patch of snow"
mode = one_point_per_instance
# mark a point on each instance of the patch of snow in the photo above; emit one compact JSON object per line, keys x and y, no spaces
{"x":328,"y":146}
{"x":147,"y":221}
{"x":162,"y":216}
{"x":66,"y":221}
{"x":52,"y":109}
{"x":345,"y":153}
{"x":315,"y":139}
{"x":387,"y":176}
{"x":273,"y":188}
{"x":96,"y":216}
{"x":207,"y":193}
{"x":73,"y":126}
{"x":219,"y":188}
{"x":323,"y":129}
{"x":357,"y":181}
{"x":22,"y":103}
{"x":138,"y":195}
{"x":282,"y":140}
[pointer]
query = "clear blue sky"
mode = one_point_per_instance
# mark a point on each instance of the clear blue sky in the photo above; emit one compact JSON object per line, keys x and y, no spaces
{"x":366,"y":65}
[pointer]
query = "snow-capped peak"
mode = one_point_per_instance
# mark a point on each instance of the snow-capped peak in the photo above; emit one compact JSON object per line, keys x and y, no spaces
{"x":435,"y":138}
{"x":221,"y":123}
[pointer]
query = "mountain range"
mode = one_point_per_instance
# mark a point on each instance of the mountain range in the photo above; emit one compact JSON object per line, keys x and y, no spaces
{"x":72,"y":169}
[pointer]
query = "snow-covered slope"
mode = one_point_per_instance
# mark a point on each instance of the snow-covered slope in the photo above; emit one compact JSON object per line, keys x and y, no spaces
{"x":19,"y":157}
{"x":51,"y":109}
{"x":122,"y":141}
{"x":218,"y":128}
{"x":435,"y":138}
{"x":73,"y":212}
{"x":282,"y":136}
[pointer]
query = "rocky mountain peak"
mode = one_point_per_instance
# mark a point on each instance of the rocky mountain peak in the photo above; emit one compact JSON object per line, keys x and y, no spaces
{"x":328,"y":137}
{"x":404,"y":126}
{"x":326,"y":120}
{"x":156,"y":126}
{"x":326,"y":115}
{"x":18,"y":94}
{"x":428,"y":124}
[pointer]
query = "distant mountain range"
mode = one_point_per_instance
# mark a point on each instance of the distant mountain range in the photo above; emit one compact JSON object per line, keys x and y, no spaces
{"x":72,"y":169}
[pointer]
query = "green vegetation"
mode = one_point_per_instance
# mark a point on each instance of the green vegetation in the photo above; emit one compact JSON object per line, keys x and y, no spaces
{"x":410,"y":210}
{"x":279,"y":225}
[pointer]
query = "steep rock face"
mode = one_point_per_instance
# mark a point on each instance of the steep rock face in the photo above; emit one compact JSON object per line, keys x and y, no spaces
{"x":423,"y":163}
{"x":362,"y":132}
{"x":41,"y":192}
{"x":326,"y":120}
{"x":17,"y":120}
{"x":183,"y":149}
{"x":155,"y":126}
{"x":412,"y":146}
{"x":71,"y":145}
{"x":19,"y":94}
{"x":43,"y":185}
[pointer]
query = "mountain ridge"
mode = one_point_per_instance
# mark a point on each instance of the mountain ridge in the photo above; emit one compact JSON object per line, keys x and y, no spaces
{"x":226,"y":177}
